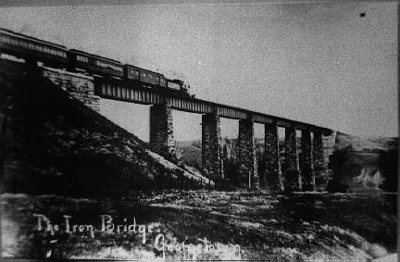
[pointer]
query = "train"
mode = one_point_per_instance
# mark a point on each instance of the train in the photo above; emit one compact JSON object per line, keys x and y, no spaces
{"x":34,"y":50}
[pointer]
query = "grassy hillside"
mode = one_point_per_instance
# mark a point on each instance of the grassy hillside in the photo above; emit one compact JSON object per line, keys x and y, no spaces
{"x":364,"y":164}
{"x":52,"y":143}
{"x":190,"y":152}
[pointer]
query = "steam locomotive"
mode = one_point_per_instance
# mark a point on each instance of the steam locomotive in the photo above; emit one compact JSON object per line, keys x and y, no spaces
{"x":33,"y":50}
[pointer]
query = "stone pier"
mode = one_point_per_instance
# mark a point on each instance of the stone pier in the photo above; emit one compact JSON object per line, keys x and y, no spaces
{"x":273,"y":173}
{"x":291,"y":173}
{"x":320,"y":164}
{"x":306,"y":163}
{"x":161,"y":131}
{"x":79,"y":86}
{"x":247,"y":157}
{"x":211,"y":147}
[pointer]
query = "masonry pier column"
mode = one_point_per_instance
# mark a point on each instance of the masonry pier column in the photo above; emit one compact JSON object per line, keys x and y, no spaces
{"x":211,"y":146}
{"x":161,"y":131}
{"x":320,"y":165}
{"x":273,"y":172}
{"x":292,"y":177}
{"x":306,"y":164}
{"x":247,"y":158}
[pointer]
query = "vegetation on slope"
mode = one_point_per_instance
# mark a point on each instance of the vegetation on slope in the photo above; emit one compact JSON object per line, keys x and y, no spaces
{"x":364,"y":164}
{"x":52,"y":143}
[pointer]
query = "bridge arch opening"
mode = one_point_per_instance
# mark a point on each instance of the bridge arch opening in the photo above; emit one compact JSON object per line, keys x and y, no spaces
{"x":229,"y":134}
{"x":259,"y":148}
{"x":132,"y":117}
{"x":187,"y":135}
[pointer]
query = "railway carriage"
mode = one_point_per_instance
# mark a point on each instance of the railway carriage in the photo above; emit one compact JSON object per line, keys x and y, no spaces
{"x":32,"y":49}
{"x":94,"y":64}
{"x":145,"y":76}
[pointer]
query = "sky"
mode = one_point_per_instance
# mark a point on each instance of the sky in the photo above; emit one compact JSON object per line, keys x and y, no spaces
{"x":324,"y":64}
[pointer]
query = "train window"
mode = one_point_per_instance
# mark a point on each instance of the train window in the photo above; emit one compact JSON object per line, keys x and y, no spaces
{"x":117,"y":68}
{"x":83,"y":59}
{"x":136,"y":74}
{"x":157,"y":80}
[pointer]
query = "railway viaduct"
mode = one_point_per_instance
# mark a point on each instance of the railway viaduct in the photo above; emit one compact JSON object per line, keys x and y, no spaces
{"x":300,"y":173}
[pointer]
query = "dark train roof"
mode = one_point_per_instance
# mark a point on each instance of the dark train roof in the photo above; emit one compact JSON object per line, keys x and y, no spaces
{"x":143,"y":69}
{"x":93,"y":55}
{"x":9,"y":32}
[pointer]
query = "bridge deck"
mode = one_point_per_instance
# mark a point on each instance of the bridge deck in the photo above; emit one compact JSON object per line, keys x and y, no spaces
{"x":117,"y":90}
